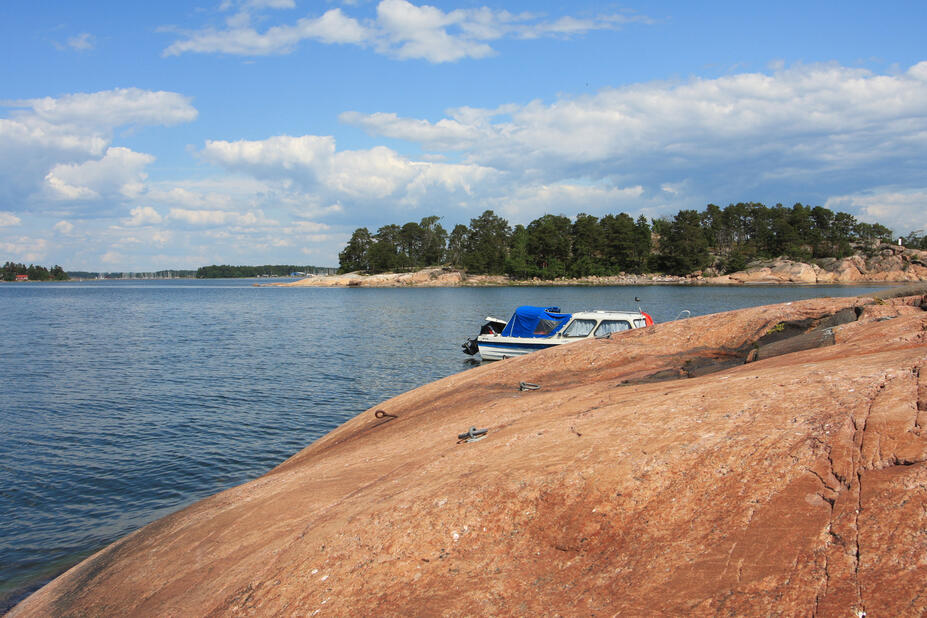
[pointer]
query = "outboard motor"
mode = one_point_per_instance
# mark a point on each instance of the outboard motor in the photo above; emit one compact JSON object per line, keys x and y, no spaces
{"x":470,"y":346}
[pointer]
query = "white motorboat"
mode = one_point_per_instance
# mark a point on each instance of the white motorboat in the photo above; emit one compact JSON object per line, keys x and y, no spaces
{"x":536,"y":328}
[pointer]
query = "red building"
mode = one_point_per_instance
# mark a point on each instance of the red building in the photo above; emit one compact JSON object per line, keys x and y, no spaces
{"x":22,"y":277}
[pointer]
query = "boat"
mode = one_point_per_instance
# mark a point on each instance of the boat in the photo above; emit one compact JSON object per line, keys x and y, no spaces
{"x":535,"y":328}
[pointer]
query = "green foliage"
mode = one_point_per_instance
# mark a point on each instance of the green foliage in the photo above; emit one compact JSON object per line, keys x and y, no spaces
{"x":916,"y":240}
{"x":392,"y":248}
{"x":354,"y":256}
{"x":226,"y":271}
{"x":487,"y":244}
{"x":457,"y":245}
{"x":516,"y":263}
{"x":552,"y":246}
{"x":35,"y":273}
{"x":684,"y":249}
{"x":549,"y":245}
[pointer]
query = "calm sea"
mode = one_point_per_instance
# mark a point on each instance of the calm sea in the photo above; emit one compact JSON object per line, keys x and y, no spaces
{"x":122,"y":401}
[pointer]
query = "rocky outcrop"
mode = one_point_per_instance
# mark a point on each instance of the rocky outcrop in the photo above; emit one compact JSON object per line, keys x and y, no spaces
{"x":653,"y":473}
{"x":887,"y":263}
{"x":428,"y":277}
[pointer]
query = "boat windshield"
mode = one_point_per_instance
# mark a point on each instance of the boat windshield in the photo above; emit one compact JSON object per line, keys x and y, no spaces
{"x":579,"y":328}
{"x":607,"y":327}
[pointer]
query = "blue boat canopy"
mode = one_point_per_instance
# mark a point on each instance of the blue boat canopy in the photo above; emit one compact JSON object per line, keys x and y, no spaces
{"x":528,"y":321}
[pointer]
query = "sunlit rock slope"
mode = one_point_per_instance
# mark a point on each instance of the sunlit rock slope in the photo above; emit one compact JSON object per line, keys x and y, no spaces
{"x":652,"y":473}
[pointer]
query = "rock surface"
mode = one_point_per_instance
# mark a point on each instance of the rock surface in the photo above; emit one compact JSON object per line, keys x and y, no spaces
{"x":429,"y":277}
{"x":653,"y":473}
{"x":888,"y":263}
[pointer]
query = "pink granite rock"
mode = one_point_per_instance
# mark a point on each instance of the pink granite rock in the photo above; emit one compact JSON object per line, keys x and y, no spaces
{"x":793,"y":485}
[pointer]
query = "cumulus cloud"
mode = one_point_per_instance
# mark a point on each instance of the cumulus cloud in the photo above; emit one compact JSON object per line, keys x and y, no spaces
{"x":399,"y":29}
{"x":40,"y":138}
{"x":241,"y":39}
{"x":24,"y":248}
{"x":216,"y":218}
{"x":105,"y":110}
{"x":901,"y":210}
{"x":530,"y":201}
{"x":309,"y":227}
{"x":143,"y":215}
{"x":65,"y":228}
{"x":771,"y":128}
{"x":802,"y":133}
{"x":8,"y":219}
{"x":360,"y":176}
{"x":120,"y":171}
{"x":113,"y":258}
{"x":201,"y":217}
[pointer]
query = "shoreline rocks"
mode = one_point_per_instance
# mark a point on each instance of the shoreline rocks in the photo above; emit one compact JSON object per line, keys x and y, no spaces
{"x":654,"y":472}
{"x":889,"y":263}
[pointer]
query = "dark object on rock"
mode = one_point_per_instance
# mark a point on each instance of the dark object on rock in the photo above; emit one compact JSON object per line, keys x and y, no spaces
{"x":472,"y":435}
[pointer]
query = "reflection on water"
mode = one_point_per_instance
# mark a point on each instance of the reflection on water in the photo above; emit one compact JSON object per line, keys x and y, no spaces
{"x":124,"y":401}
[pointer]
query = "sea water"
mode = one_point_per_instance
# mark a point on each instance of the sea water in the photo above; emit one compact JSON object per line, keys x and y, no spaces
{"x":123,"y":401}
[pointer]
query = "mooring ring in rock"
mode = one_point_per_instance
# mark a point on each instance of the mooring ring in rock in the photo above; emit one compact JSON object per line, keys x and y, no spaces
{"x":384,"y":414}
{"x":472,"y":435}
{"x":528,"y":386}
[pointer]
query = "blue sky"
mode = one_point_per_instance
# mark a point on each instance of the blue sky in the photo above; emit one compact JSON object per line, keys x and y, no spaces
{"x":142,"y":136}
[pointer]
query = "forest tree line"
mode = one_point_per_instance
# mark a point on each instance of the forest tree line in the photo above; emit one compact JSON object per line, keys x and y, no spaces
{"x":553,"y":246}
{"x":225,"y":271}
{"x":35,"y":273}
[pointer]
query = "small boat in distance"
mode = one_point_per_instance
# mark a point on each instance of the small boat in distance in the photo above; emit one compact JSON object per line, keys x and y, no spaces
{"x":536,"y":328}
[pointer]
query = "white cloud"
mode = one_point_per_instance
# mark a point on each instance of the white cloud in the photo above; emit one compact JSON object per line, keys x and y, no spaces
{"x":145,"y":238}
{"x":82,"y":42}
{"x":42,"y":135}
{"x":822,"y":121}
{"x":304,"y":227}
{"x":241,"y":39}
{"x":902,"y":211}
{"x":143,"y":215}
{"x":279,"y":156}
{"x":201,"y":217}
{"x":530,"y":202}
{"x":216,"y":218}
{"x":400,"y":29}
{"x":120,"y":171}
{"x":447,"y":133}
{"x":8,"y":219}
{"x":105,"y":110}
{"x":65,"y":228}
{"x":113,"y":258}
{"x":24,"y":249}
{"x":365,"y":176}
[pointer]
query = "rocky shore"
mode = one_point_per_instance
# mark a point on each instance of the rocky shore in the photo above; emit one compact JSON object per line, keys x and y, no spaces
{"x":766,"y":460}
{"x":887,"y":263}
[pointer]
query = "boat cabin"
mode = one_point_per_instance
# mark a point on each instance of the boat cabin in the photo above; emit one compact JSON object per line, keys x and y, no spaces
{"x":537,"y":322}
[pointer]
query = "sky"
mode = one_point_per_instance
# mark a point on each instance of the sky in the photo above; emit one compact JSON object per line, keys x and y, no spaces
{"x":173,"y":135}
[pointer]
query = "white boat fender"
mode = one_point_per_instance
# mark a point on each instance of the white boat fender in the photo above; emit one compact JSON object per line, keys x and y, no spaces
{"x":471,"y":435}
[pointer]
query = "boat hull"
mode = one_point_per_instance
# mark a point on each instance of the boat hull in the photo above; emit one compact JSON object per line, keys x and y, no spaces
{"x":498,"y":348}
